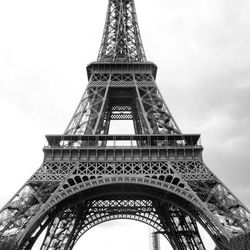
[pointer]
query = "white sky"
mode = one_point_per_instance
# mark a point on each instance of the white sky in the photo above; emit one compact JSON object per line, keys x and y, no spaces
{"x":201,"y":48}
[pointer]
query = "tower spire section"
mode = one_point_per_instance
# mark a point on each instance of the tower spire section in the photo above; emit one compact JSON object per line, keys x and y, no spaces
{"x":121,"y":40}
{"x":122,"y":82}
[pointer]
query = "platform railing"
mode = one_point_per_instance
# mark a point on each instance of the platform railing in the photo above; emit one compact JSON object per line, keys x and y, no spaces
{"x":123,"y":141}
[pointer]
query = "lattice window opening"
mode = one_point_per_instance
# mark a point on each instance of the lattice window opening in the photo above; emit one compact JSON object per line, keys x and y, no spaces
{"x":201,"y":186}
{"x":95,"y":100}
{"x":80,"y":118}
{"x":160,"y":126}
{"x":22,"y":203}
{"x":100,"y":77}
{"x":121,"y":115}
{"x":122,"y":77}
{"x":189,"y":166}
{"x":124,"y":115}
{"x":8,"y":228}
{"x":116,"y":77}
{"x":227,"y":201}
{"x":228,"y":224}
{"x":144,"y":77}
{"x":11,"y":227}
{"x":11,"y":232}
{"x":93,"y":95}
{"x":49,"y":167}
{"x":156,"y":109}
{"x":44,"y":189}
{"x":121,"y":108}
{"x":235,"y":221}
{"x":75,"y":180}
{"x":95,"y":84}
{"x":180,"y":224}
{"x":56,"y":233}
{"x":233,"y":224}
{"x":112,"y":168}
{"x":86,"y":121}
{"x":84,"y":104}
{"x":125,"y":17}
{"x":209,"y":225}
{"x":162,"y":118}
{"x":121,"y":84}
{"x":145,"y":84}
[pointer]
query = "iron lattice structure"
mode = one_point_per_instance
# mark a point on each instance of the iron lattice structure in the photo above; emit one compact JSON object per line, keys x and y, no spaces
{"x":156,"y":176}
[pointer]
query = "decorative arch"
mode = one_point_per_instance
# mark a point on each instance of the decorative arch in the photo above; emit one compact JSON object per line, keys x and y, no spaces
{"x":104,"y":219}
{"x":133,"y":188}
{"x":174,"y":185}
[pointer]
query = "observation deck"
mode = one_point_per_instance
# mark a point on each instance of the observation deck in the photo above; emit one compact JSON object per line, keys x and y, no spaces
{"x":123,"y":147}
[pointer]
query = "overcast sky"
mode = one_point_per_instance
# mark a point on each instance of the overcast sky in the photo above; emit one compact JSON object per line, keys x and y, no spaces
{"x":200,"y":46}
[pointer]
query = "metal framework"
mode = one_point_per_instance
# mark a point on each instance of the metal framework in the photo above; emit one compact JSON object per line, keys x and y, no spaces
{"x":155,"y":241}
{"x":121,"y":37}
{"x":156,"y":176}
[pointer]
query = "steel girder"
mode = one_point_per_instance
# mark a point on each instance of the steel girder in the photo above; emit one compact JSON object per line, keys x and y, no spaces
{"x":105,"y":93}
{"x":121,"y":37}
{"x":137,"y":208}
{"x":172,"y":162}
{"x":213,"y":204}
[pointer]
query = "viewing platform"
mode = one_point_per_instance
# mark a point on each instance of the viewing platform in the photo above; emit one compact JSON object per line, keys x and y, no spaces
{"x":123,"y":147}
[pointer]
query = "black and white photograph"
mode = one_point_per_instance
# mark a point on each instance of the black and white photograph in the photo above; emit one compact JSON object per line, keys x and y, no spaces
{"x":125,"y":124}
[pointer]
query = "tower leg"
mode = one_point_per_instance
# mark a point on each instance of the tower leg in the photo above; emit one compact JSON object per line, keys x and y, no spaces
{"x":62,"y":231}
{"x":181,"y":228}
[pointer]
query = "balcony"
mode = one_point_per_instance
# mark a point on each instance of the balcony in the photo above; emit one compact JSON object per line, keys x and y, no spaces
{"x":122,"y":147}
{"x":123,"y":141}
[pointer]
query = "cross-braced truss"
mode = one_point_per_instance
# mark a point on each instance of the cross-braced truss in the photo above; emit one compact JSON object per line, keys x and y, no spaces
{"x":55,"y":181}
{"x":77,"y":219}
{"x":121,"y":38}
{"x":142,"y":103}
{"x":156,"y":176}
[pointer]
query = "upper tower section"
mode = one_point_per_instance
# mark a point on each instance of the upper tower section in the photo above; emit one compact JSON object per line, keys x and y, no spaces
{"x":121,"y":41}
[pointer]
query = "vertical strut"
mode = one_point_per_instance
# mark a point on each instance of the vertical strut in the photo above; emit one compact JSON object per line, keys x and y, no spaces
{"x":144,"y":114}
{"x":101,"y":113}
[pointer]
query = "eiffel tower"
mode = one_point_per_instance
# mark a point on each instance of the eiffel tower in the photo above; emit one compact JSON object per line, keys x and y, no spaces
{"x":156,"y":175}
